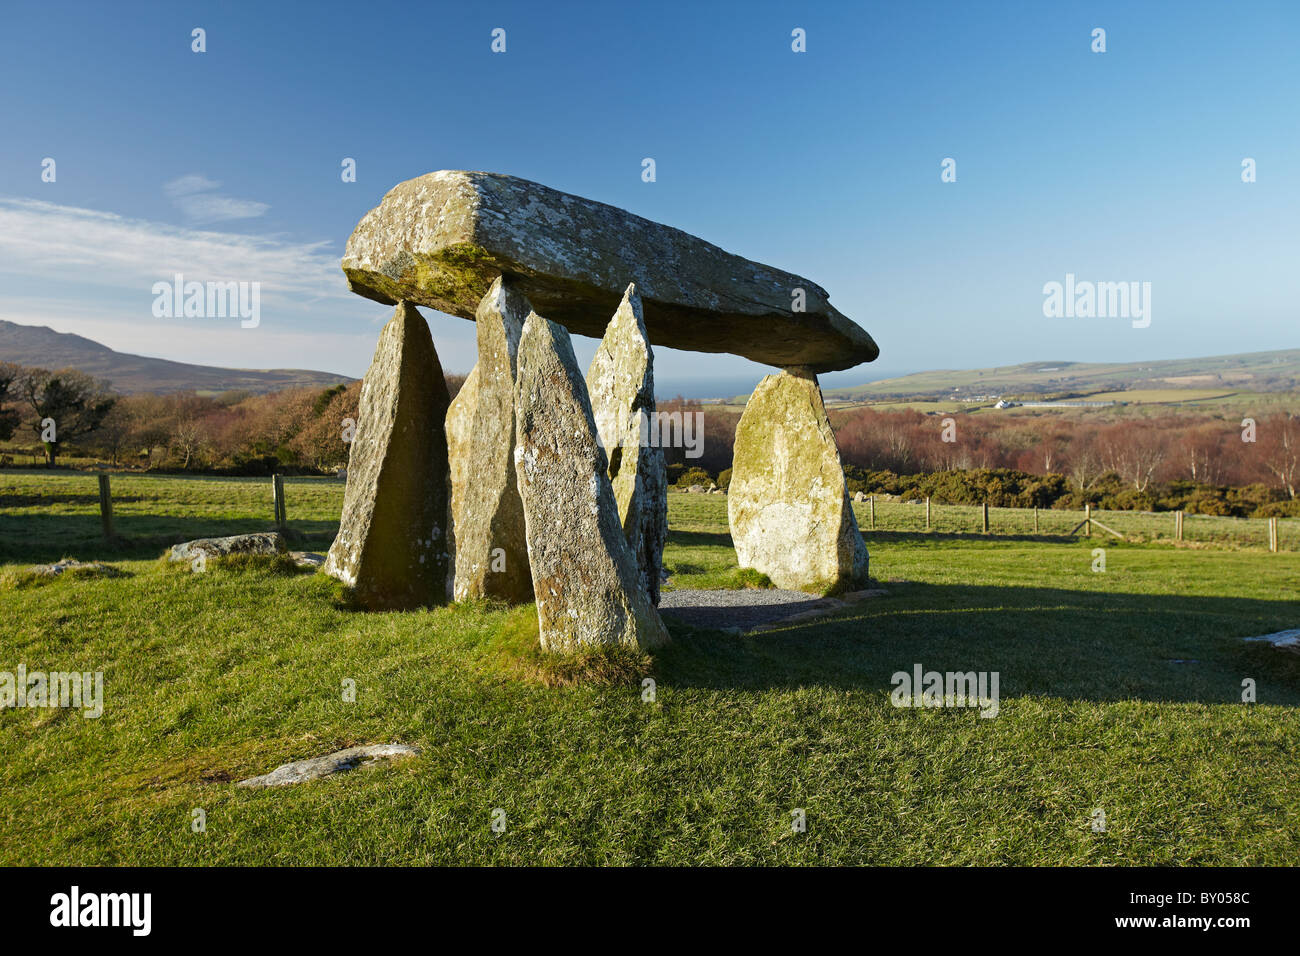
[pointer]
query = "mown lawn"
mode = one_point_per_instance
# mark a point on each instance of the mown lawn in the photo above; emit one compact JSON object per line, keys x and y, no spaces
{"x":210,"y":678}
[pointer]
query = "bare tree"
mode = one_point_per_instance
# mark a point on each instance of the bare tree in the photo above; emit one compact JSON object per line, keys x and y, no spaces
{"x":1281,"y":447}
{"x":1134,"y":453}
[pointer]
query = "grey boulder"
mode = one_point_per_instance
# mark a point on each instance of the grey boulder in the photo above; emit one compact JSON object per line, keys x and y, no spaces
{"x":441,"y":239}
{"x":261,"y":542}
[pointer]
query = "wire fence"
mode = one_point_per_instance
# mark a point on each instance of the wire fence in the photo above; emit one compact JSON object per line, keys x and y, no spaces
{"x":68,"y":508}
{"x":1138,"y":526}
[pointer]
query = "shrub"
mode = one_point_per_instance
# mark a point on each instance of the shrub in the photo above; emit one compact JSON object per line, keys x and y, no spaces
{"x":694,"y":476}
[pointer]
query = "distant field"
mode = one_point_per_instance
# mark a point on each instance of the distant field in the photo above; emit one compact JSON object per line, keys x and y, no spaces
{"x":916,"y":406}
{"x":1258,"y":371}
{"x":1167,"y":396}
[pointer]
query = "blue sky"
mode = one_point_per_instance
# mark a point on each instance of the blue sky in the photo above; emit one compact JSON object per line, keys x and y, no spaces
{"x":1115,"y":166}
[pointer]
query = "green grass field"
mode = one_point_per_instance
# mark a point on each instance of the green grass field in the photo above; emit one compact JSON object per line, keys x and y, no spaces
{"x":1120,"y":692}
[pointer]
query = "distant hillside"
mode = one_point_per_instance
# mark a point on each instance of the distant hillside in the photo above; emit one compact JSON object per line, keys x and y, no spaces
{"x":37,"y":345}
{"x":1254,"y":371}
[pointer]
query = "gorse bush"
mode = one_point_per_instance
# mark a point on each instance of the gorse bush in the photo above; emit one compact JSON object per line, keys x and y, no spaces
{"x":1005,"y":488}
{"x":693,"y":476}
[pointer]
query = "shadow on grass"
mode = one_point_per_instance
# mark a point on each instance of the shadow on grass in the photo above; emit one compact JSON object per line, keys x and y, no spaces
{"x":1080,"y":645}
{"x":699,"y":539}
{"x":918,"y":535}
{"x":46,"y":500}
{"x":44,"y":538}
{"x":687,"y":539}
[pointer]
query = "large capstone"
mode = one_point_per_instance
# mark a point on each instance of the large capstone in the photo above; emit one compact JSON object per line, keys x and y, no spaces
{"x":487,"y":512}
{"x":621,"y":385}
{"x":787,"y":503}
{"x":585,"y":575}
{"x":393,"y":545}
{"x":441,"y":239}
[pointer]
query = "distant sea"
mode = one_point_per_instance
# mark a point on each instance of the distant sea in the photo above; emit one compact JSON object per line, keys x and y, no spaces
{"x":730,"y":386}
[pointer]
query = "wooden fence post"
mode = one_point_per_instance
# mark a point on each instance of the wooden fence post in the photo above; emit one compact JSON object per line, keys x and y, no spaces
{"x":927,"y":512}
{"x":1035,"y":519}
{"x":106,"y":507}
{"x":1178,"y":526}
{"x":871,"y":501}
{"x":1087,"y":519}
{"x":1272,"y":534}
{"x":277,"y":498}
{"x":986,"y":517}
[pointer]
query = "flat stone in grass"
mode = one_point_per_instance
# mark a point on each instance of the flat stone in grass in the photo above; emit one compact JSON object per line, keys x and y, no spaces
{"x":78,"y":568}
{"x":1282,"y":640}
{"x":261,"y":542}
{"x":300,"y":771}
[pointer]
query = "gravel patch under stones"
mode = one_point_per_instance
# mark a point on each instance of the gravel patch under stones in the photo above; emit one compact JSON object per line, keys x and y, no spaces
{"x":749,"y":609}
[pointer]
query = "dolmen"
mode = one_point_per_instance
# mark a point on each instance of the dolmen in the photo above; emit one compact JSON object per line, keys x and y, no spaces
{"x":538,"y":482}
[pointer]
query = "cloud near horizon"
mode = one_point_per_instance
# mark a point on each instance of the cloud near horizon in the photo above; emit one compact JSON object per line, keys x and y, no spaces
{"x":68,"y":243}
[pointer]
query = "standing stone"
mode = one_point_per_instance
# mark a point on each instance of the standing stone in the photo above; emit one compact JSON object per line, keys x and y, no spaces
{"x":393,"y":542}
{"x":787,"y":503}
{"x":621,"y":385}
{"x":585,"y":575}
{"x":487,"y":512}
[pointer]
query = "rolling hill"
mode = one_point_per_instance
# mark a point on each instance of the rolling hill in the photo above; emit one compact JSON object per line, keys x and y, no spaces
{"x":1277,"y":371}
{"x":38,"y":345}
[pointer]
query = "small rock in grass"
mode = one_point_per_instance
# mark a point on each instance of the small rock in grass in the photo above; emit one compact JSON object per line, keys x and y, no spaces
{"x":82,"y":569}
{"x":1283,"y":640}
{"x":262,"y":542}
{"x":301,"y":771}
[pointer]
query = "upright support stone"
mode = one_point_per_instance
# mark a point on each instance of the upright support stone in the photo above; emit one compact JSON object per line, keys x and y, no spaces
{"x":621,"y":386}
{"x":393,"y":545}
{"x":487,"y":512}
{"x":585,"y":576}
{"x":788,"y":504}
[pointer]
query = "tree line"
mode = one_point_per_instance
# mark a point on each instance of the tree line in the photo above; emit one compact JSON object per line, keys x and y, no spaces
{"x":69,"y":412}
{"x":1196,"y":461}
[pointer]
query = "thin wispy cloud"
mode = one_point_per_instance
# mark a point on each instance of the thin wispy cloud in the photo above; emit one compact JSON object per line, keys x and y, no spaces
{"x":67,"y":243}
{"x":197,"y":198}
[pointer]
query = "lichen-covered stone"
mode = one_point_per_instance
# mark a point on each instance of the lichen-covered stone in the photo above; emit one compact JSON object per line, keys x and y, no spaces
{"x":259,"y":542}
{"x":621,"y":385}
{"x":787,"y":503}
{"x":441,"y":239}
{"x":393,"y":545}
{"x":585,"y":577}
{"x":487,"y":512}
